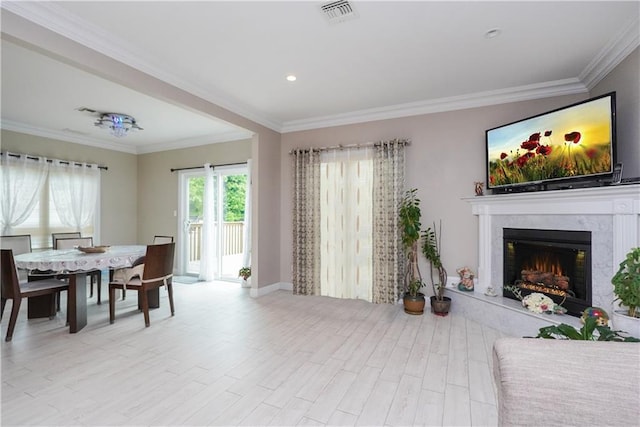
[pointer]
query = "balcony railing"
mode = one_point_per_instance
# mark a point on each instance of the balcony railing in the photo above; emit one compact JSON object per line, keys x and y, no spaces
{"x":232,"y":239}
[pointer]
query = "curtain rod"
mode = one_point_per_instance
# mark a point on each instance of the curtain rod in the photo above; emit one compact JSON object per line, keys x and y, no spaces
{"x":64,"y":162}
{"x":212,"y":166}
{"x":341,"y":147}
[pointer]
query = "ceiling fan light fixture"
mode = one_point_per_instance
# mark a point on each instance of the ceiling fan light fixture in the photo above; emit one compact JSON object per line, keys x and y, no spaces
{"x":119,"y":125}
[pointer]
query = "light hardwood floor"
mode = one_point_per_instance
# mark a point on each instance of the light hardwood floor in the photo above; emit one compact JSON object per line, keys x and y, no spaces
{"x":229,"y":359}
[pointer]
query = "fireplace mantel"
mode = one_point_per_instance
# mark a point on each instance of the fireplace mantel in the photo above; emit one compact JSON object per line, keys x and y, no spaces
{"x":611,"y":213}
{"x":622,"y":202}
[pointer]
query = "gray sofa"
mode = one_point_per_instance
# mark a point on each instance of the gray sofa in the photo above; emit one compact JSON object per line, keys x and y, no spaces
{"x":544,"y":382}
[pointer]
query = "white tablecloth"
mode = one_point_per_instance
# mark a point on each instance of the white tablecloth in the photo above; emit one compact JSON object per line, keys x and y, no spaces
{"x":75,"y":260}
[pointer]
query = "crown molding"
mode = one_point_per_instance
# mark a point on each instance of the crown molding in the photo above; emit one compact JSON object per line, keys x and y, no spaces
{"x":194,"y":142}
{"x":139,"y":148}
{"x":54,"y":18}
{"x":627,"y":40}
{"x":479,"y":99}
{"x":65,"y":136}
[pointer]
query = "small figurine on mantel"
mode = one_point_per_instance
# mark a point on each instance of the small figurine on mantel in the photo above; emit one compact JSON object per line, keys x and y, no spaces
{"x":479,"y":188}
{"x":466,"y":279}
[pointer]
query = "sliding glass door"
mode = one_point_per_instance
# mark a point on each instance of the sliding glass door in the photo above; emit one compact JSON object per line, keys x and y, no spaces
{"x":229,"y":185}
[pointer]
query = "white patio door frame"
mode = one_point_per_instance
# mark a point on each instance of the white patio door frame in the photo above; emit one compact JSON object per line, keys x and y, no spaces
{"x":182,"y":240}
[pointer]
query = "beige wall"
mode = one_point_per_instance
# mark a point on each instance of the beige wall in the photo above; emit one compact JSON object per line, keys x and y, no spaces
{"x":625,"y":80}
{"x":447,"y":155}
{"x":444,"y":159}
{"x":267,"y":191}
{"x":118,"y":206}
{"x":158,"y":186}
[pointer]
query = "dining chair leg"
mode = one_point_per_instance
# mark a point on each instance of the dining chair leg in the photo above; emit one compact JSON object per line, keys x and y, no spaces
{"x":112,"y":304}
{"x":15,"y":309}
{"x":4,"y":302}
{"x":145,"y":306}
{"x":170,"y":291}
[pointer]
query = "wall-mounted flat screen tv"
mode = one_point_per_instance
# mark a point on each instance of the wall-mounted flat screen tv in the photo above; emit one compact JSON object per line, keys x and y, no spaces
{"x":576,"y":142}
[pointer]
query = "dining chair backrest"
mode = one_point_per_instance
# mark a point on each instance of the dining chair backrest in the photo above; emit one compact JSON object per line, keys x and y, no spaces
{"x":9,"y":275}
{"x":67,"y":235}
{"x":71,"y":243}
{"x":158,"y":262}
{"x":158,"y":240}
{"x":20,"y":243}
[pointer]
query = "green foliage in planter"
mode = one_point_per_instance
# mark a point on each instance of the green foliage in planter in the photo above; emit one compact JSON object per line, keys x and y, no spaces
{"x":409,"y":217}
{"x":431,"y":251}
{"x":586,"y":332}
{"x":626,"y":282}
{"x":245,"y":272}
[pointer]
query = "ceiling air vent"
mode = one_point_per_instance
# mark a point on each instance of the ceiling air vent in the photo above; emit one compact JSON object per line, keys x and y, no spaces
{"x":338,"y":11}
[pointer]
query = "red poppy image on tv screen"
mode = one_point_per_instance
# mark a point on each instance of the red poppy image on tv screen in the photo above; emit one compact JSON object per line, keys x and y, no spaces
{"x":573,"y":142}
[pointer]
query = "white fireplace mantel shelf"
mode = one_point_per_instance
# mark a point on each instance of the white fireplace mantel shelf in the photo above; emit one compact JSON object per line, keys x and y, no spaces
{"x":611,"y":213}
{"x":620,"y":199}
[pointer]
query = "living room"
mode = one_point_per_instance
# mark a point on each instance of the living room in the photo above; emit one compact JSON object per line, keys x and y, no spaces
{"x":445,"y":158}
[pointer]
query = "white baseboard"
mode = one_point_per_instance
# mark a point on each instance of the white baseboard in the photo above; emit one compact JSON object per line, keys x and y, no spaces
{"x":264,"y":290}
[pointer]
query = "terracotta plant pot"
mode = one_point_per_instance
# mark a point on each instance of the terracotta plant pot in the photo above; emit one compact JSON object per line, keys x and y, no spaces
{"x":440,"y":307}
{"x":414,"y":305}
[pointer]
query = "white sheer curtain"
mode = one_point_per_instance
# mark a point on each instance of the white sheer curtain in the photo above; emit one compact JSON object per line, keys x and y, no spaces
{"x":246,"y":227}
{"x":346,"y":223}
{"x":21,"y":179}
{"x":208,"y":255}
{"x":74,"y":190}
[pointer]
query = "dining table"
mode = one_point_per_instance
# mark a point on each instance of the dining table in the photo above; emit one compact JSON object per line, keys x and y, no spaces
{"x":74,"y":263}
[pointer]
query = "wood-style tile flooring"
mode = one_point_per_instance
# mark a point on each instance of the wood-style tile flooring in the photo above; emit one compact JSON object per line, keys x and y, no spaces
{"x":229,"y":359}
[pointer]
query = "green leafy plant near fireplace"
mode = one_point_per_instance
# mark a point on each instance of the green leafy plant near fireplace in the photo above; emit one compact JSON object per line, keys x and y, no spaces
{"x":626,"y":283}
{"x":590,"y":331}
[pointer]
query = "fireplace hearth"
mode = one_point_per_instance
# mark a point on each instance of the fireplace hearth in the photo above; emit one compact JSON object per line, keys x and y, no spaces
{"x":556,"y":263}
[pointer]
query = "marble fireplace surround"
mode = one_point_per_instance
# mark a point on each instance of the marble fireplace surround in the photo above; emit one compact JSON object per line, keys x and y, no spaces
{"x":611,"y":213}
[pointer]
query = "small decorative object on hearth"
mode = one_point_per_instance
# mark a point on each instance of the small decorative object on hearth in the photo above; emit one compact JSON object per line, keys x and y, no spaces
{"x":466,"y":279}
{"x":479,"y":188}
{"x":536,"y":302}
{"x":490,"y":292}
{"x":601,"y":316}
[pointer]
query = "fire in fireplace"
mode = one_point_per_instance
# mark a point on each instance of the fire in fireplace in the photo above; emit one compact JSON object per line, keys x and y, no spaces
{"x":553,"y":262}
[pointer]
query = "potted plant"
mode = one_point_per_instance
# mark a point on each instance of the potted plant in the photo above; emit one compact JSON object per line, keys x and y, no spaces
{"x":626,"y":288}
{"x":586,"y":333}
{"x":410,"y":214}
{"x":431,"y":250}
{"x":245,"y":273}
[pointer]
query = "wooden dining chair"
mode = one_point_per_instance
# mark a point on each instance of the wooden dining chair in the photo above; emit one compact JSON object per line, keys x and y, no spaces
{"x":95,"y":276}
{"x":157,"y":272}
{"x":65,"y":235}
{"x":13,"y":290}
{"x":19,"y":244}
{"x":158,"y":240}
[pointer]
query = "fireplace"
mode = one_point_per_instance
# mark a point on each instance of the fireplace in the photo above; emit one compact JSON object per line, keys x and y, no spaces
{"x":556,"y":263}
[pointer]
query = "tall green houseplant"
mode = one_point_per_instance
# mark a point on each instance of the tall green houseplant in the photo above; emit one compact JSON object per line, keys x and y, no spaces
{"x":409,"y":218}
{"x":626,"y":283}
{"x":431,"y":251}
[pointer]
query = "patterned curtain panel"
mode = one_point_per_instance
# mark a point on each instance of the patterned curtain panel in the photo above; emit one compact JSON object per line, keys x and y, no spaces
{"x":306,"y":222}
{"x":388,"y":187}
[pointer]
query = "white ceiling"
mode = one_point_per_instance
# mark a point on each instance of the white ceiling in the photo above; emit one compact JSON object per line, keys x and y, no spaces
{"x":393,"y":59}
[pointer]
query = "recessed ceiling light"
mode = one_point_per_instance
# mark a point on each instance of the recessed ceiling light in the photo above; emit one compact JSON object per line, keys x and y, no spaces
{"x":291,"y":78}
{"x":492,"y":33}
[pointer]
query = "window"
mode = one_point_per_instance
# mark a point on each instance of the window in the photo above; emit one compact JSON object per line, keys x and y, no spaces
{"x":61,"y":197}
